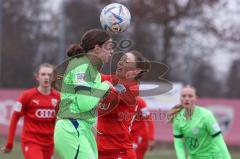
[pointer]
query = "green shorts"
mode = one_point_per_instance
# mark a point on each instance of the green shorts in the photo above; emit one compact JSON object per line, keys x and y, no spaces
{"x":75,"y":143}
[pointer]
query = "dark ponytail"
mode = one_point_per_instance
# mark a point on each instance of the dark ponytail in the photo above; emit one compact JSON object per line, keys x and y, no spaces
{"x":74,"y":50}
{"x":89,"y":40}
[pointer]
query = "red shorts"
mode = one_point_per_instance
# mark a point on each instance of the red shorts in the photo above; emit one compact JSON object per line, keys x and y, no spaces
{"x":35,"y":151}
{"x":117,"y":154}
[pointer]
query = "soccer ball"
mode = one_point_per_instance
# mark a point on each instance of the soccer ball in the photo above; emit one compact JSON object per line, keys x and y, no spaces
{"x":115,"y":18}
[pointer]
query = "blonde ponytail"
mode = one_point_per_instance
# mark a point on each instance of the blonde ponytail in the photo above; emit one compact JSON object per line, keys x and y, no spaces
{"x":172,"y":113}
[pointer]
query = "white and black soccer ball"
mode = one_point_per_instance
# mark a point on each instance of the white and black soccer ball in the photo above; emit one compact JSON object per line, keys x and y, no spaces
{"x":115,"y":18}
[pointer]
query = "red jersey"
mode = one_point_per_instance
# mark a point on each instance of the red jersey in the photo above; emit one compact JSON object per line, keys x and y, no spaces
{"x":39,"y":115}
{"x":143,"y":123}
{"x":114,"y":127}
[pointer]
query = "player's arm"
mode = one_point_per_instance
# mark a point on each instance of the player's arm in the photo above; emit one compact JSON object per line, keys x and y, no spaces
{"x":81,"y":80}
{"x":18,"y":112}
{"x":179,"y":148}
{"x":109,"y":101}
{"x":219,"y":140}
{"x":127,"y":92}
{"x":146,"y":116}
{"x":215,"y":131}
{"x":150,"y":124}
{"x":11,"y":134}
{"x":178,"y":142}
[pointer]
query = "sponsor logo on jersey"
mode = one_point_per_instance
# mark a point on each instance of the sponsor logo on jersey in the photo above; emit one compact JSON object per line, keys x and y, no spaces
{"x":54,"y":102}
{"x":36,"y":101}
{"x":195,"y":130}
{"x":45,"y":113}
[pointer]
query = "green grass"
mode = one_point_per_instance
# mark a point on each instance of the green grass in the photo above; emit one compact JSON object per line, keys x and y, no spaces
{"x":160,"y":152}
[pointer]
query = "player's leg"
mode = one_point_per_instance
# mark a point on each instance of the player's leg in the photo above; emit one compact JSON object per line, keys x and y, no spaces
{"x":32,"y":151}
{"x":71,"y":142}
{"x":88,"y":145}
{"x":66,"y":140}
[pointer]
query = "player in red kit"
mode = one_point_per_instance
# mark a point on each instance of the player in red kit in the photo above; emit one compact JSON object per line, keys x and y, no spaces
{"x":113,"y":137}
{"x":142,"y":130}
{"x":37,"y":105}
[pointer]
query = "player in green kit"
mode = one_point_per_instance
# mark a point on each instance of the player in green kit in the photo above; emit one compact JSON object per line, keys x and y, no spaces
{"x":196,"y":129}
{"x":79,"y":82}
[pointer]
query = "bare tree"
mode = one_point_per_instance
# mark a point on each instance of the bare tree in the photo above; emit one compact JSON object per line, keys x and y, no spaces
{"x":24,"y":32}
{"x":233,"y":80}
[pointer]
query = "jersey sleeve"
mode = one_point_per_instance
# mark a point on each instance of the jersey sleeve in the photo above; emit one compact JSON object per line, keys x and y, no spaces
{"x":141,"y":103}
{"x":179,"y":148}
{"x":215,"y":131}
{"x":145,"y":115}
{"x":142,"y":110}
{"x":177,"y":133}
{"x":86,"y":91}
{"x":19,"y":110}
{"x":57,"y":95}
{"x":219,"y":142}
{"x":211,"y":124}
{"x":142,"y":106}
{"x":130,"y":94}
{"x":21,"y":105}
{"x":178,"y":139}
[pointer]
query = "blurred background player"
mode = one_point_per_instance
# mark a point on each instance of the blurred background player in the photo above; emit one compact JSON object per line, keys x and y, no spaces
{"x":37,"y":105}
{"x":196,"y":128}
{"x":113,"y":137}
{"x":142,"y":132}
{"x":80,"y":95}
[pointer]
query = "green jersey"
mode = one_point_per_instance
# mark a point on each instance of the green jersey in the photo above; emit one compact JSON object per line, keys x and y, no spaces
{"x":81,"y":90}
{"x":198,"y":134}
{"x":79,"y":95}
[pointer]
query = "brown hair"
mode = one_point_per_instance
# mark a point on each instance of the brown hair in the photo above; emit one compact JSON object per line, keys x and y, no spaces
{"x":43,"y":65}
{"x":141,"y":63}
{"x":89,"y":40}
{"x":172,"y":113}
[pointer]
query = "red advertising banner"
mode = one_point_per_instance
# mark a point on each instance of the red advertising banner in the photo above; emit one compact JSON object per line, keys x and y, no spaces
{"x":8,"y":98}
{"x":225,"y":110}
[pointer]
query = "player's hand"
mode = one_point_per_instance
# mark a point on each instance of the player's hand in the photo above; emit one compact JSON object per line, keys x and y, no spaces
{"x":108,"y":102}
{"x":5,"y":150}
{"x":151,"y":145}
{"x":126,"y":94}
